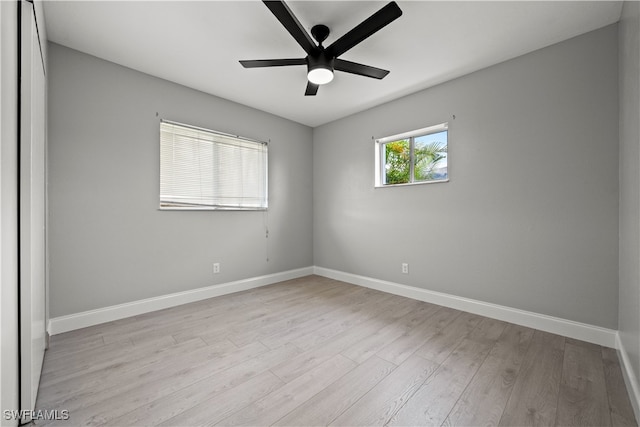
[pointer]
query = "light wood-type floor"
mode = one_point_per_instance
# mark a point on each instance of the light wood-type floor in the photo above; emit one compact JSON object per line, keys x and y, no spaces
{"x":315,"y":351}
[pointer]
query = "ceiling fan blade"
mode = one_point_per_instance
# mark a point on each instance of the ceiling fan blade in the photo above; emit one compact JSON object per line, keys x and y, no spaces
{"x":257,"y":63}
{"x":312,"y":89}
{"x":291,"y":23}
{"x":369,"y":26}
{"x":360,"y":69}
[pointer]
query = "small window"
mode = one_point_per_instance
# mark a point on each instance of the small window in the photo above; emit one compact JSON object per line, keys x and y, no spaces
{"x":204,"y":169}
{"x":415,"y":157}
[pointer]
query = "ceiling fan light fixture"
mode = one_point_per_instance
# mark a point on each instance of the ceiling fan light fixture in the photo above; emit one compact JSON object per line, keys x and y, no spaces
{"x":320,"y":68}
{"x":322,"y":62}
{"x":320,"y":75}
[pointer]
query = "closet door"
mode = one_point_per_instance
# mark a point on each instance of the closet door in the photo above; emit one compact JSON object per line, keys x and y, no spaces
{"x":32,"y":208}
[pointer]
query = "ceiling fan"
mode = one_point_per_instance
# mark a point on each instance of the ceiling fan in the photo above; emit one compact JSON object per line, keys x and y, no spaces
{"x":322,"y":61}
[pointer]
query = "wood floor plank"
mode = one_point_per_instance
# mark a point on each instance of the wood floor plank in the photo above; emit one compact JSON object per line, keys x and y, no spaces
{"x":483,"y":401}
{"x":218,"y":327}
{"x":383,"y":401}
{"x":117,"y":330}
{"x":289,"y":365}
{"x":277,"y":404}
{"x":209,"y":412}
{"x":62,"y":348}
{"x":440,"y":346}
{"x":583,"y":395}
{"x":534,"y":398}
{"x":220,"y":317}
{"x":328,"y":404}
{"x":54,"y":361}
{"x":400,"y":349}
{"x":301,"y":285}
{"x":163,"y":320}
{"x":96,"y":359}
{"x":154,"y":382}
{"x":433,"y":401}
{"x":366,"y":299}
{"x":75,"y":337}
{"x":340,"y":325}
{"x":619,"y":403}
{"x":201,"y":387}
{"x":309,"y":308}
{"x":369,"y":345}
{"x":164,"y":327}
{"x":583,"y":344}
{"x":324,"y":351}
{"x":71,"y":390}
{"x":214,"y":311}
{"x":488,"y":330}
{"x":250,"y":321}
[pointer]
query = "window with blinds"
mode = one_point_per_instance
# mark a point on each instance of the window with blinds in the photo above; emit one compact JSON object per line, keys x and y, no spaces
{"x":204,"y":169}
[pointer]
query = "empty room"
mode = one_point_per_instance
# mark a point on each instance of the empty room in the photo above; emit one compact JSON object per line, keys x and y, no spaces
{"x":309,"y":213}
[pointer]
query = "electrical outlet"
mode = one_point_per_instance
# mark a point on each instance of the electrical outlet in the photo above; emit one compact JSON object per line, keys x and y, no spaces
{"x":405,"y":268}
{"x":216,"y":267}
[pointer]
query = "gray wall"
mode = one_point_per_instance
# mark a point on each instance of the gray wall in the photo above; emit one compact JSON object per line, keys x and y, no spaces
{"x":629,"y":323}
{"x":9,"y":373}
{"x":109,"y":243}
{"x":530,"y":217}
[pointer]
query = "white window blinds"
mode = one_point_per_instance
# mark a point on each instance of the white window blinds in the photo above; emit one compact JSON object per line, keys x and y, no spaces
{"x":203,"y":169}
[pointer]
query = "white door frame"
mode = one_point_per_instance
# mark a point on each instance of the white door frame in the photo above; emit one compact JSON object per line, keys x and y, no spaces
{"x":32,"y":207}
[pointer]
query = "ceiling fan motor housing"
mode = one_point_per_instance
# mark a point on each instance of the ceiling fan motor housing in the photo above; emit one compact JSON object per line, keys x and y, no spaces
{"x":321,"y":60}
{"x":320,"y":67}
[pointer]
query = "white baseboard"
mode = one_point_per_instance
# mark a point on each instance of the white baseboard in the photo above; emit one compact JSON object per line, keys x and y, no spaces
{"x":58,"y":325}
{"x":568,"y":328}
{"x":630,"y":378}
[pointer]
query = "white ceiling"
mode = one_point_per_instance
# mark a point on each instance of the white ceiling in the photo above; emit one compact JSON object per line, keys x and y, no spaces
{"x":198,"y":44}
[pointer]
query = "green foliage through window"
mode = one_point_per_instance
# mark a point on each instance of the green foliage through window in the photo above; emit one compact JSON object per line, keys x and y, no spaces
{"x":397,"y":162}
{"x":416,"y":159}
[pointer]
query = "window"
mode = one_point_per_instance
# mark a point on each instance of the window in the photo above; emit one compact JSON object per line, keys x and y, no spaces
{"x":414,"y":157}
{"x":203,"y":169}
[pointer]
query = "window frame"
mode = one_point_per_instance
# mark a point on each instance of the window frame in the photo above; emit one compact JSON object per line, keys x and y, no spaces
{"x":380,"y":144}
{"x":175,"y":206}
